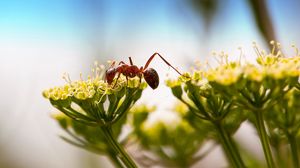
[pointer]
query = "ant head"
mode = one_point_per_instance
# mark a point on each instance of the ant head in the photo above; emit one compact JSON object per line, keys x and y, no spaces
{"x":110,"y":75}
{"x":151,"y":77}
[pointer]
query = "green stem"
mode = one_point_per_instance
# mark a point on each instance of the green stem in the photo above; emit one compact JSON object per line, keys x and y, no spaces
{"x":294,"y":149}
{"x":264,"y":137}
{"x":280,"y":161}
{"x":115,"y":160}
{"x":229,"y":147}
{"x":118,"y":149}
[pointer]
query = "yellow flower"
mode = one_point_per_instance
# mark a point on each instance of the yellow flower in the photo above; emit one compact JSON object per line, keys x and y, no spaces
{"x":225,"y":74}
{"x":173,"y":83}
{"x":87,"y":89}
{"x":284,"y":67}
{"x":253,"y":73}
{"x":167,"y":125}
{"x":266,"y":60}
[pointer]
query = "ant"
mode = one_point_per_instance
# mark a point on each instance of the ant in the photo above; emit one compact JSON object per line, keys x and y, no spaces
{"x":131,"y":71}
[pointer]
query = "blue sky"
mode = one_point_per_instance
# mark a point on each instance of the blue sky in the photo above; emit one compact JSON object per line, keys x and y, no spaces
{"x":65,"y":17}
{"x":38,"y":18}
{"x":115,"y":19}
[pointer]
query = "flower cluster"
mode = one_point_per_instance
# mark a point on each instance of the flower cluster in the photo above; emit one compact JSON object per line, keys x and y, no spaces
{"x":214,"y":102}
{"x":94,"y":102}
{"x":262,"y":92}
{"x":90,"y":88}
{"x":81,"y":90}
{"x":226,"y":74}
{"x":83,"y":100}
{"x":161,"y":136}
{"x":92,"y":139}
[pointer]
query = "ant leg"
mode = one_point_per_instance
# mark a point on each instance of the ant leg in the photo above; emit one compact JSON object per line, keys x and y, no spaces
{"x":112,"y":64}
{"x":121,"y":62}
{"x":140,"y":75}
{"x":130,"y":60}
{"x":116,"y":80}
{"x":140,"y":81}
{"x":151,"y":58}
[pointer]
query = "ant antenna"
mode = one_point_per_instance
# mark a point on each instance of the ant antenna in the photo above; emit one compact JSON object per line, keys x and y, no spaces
{"x":151,"y":58}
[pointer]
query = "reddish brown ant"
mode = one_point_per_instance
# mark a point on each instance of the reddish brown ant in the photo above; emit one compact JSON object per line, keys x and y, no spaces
{"x":131,"y":71}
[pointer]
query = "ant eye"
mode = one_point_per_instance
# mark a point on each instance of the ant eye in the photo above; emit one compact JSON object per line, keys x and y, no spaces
{"x":151,"y":78}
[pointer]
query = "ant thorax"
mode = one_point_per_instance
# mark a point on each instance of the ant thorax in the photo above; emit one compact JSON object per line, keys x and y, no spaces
{"x":129,"y":70}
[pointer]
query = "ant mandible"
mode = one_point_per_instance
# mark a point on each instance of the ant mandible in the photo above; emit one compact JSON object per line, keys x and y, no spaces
{"x":131,"y":71}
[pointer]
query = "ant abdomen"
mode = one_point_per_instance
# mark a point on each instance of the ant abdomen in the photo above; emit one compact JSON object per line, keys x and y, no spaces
{"x":151,"y":77}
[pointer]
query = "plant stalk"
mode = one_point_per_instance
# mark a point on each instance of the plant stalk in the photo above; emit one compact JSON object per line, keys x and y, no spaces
{"x":264,"y":138}
{"x":229,"y":147}
{"x":115,"y":160}
{"x":118,"y":149}
{"x":294,"y":149}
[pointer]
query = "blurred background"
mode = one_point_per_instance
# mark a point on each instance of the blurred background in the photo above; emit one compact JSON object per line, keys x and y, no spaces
{"x":40,"y":40}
